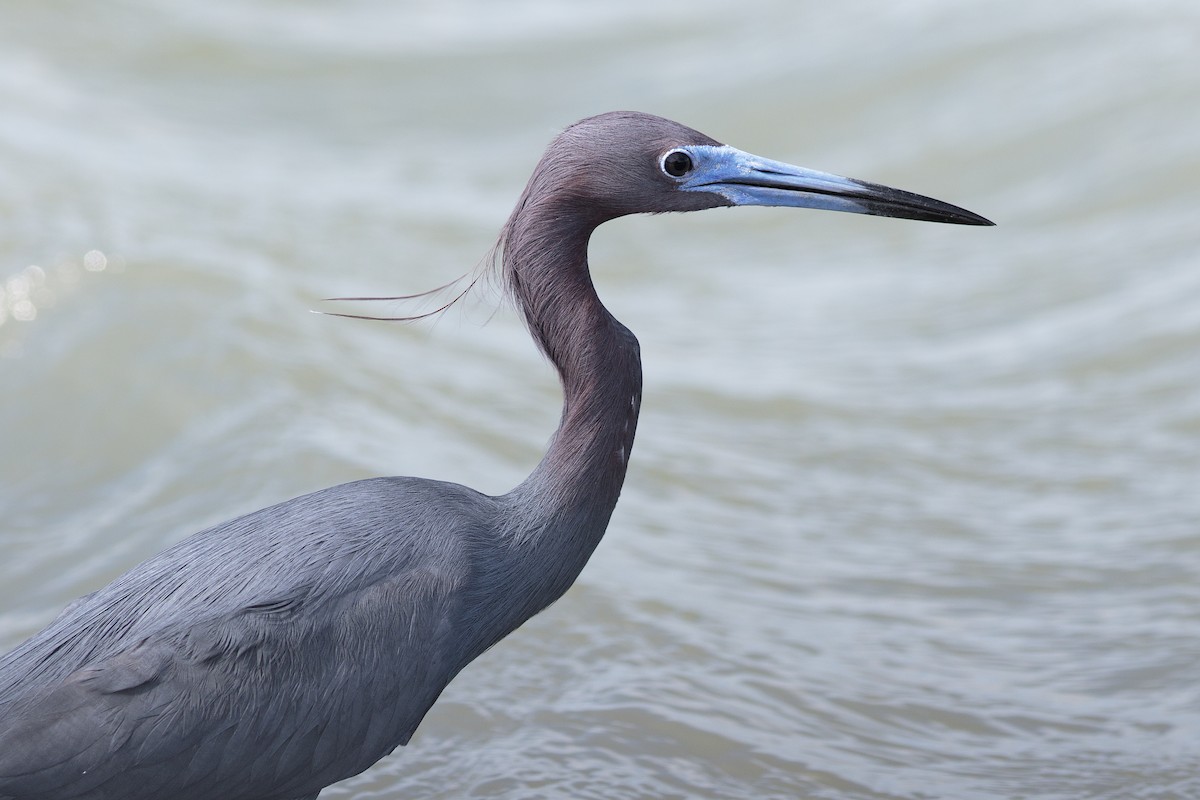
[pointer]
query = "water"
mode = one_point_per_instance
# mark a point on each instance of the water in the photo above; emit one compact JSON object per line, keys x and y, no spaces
{"x":913,"y":508}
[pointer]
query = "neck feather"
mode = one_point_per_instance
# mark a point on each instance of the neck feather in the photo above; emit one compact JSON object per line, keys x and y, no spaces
{"x":579,"y":479}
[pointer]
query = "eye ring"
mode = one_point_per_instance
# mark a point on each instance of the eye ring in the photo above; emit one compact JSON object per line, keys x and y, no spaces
{"x":676,"y":163}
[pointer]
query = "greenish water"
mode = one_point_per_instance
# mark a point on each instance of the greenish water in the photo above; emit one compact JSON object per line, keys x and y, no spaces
{"x":913,"y":511}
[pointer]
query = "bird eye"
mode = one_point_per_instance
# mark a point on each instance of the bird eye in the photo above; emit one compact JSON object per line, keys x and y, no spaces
{"x":677,"y":163}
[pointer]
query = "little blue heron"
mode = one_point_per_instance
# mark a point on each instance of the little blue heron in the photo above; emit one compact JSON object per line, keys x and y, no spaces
{"x":272,"y":655}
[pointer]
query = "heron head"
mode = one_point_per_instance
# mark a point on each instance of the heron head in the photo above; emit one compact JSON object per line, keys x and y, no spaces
{"x":626,"y":163}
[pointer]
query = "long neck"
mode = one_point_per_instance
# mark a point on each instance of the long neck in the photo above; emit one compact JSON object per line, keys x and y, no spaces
{"x":570,"y":496}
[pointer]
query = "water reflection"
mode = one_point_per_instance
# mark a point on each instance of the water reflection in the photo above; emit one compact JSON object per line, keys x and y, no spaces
{"x":33,"y":288}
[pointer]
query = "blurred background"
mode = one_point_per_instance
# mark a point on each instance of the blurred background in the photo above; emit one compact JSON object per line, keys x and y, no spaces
{"x":913,"y":511}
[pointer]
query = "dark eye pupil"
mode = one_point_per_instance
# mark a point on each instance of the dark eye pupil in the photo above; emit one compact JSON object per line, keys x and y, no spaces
{"x":677,"y":164}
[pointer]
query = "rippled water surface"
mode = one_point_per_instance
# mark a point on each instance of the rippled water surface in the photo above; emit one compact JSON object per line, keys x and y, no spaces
{"x":913,"y":511}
